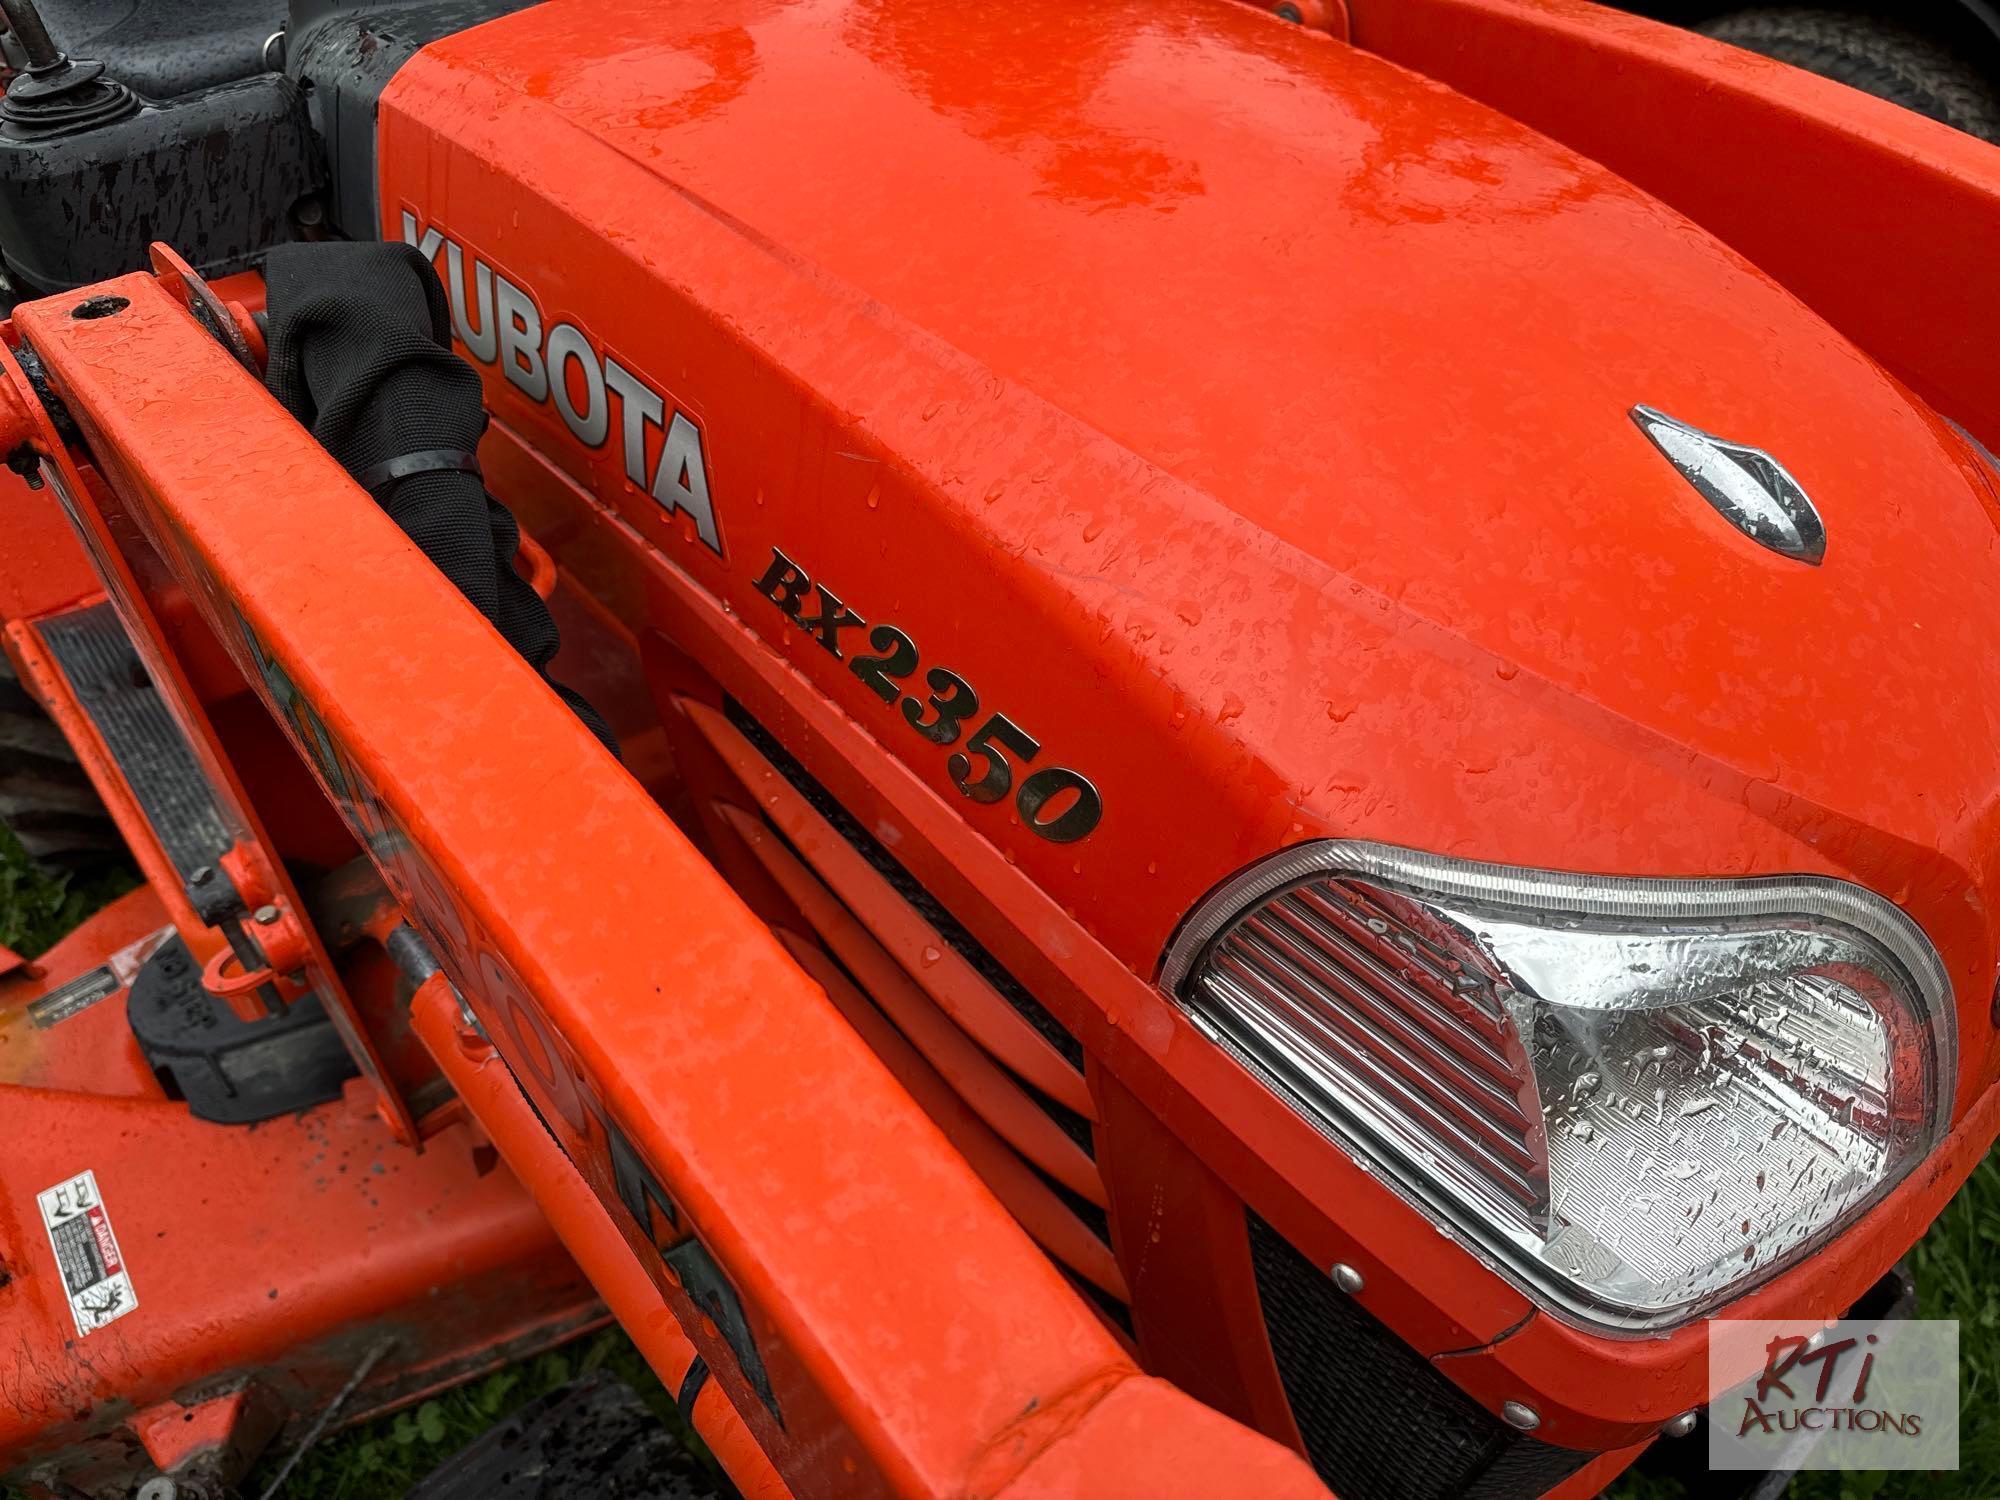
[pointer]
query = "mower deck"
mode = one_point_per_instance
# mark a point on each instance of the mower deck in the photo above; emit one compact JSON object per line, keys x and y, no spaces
{"x":266,"y":1263}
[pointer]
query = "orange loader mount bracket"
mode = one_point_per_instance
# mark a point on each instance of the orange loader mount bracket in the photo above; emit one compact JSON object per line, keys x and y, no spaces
{"x":878,"y":1323}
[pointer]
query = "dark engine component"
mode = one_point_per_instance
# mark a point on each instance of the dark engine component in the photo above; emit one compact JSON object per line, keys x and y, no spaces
{"x":221,"y":169}
{"x":222,"y":127}
{"x":164,"y":48}
{"x":91,"y":172}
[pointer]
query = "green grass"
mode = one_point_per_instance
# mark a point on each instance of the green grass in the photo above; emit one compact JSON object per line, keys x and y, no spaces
{"x":380,"y":1460}
{"x":1957,"y":1268}
{"x":37,"y":908}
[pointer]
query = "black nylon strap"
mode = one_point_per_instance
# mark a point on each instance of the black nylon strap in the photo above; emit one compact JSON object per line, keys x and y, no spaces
{"x":360,"y":352}
{"x":424,"y":461}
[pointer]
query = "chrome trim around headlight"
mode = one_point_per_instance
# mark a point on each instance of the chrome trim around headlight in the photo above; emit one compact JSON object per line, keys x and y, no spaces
{"x":1368,"y":1124}
{"x":1556,"y":891}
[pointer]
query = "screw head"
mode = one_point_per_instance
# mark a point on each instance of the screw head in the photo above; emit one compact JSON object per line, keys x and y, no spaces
{"x":1519,"y":1414}
{"x":264,"y":916}
{"x":1680,"y":1426}
{"x":201,"y":876}
{"x":1347,"y":1278}
{"x":159,"y":1487}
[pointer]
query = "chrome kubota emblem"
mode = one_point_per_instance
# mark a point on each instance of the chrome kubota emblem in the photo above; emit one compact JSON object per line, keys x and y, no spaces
{"x":1749,"y":487}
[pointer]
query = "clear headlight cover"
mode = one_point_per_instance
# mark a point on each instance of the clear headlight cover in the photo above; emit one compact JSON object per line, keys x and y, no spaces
{"x":1638,"y":1096}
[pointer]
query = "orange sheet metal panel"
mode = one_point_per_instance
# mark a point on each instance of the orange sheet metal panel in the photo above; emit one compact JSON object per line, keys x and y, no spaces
{"x":1882,"y":221}
{"x":1359,"y":543}
{"x":277,"y":1255}
{"x":880,"y":1322}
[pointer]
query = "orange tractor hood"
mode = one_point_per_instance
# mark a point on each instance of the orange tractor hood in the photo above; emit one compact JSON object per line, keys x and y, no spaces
{"x":1250,"y":418}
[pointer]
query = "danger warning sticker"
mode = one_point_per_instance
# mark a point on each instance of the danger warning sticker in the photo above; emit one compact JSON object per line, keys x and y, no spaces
{"x":93,"y":1272}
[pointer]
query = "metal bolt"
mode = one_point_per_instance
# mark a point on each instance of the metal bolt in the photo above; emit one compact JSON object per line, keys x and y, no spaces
{"x":1680,"y":1426}
{"x":1517,"y":1414}
{"x":159,"y":1487}
{"x":201,"y":876}
{"x":1347,"y":1278}
{"x":264,"y":916}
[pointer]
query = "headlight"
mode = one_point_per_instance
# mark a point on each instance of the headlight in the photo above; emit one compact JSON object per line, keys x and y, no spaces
{"x":1638,"y":1096}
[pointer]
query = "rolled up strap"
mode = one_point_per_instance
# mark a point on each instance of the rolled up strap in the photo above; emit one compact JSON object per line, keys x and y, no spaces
{"x":360,"y":352}
{"x":425,"y":461}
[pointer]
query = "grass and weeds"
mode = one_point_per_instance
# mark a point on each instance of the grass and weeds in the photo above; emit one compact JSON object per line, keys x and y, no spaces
{"x":1957,"y":1268}
{"x":380,"y":1460}
{"x":37,"y":908}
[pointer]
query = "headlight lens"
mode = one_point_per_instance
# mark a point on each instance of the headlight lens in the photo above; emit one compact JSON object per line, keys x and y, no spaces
{"x":1640,"y":1096}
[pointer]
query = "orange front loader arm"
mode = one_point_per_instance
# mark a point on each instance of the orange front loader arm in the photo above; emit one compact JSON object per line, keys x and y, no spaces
{"x":877,"y":1321}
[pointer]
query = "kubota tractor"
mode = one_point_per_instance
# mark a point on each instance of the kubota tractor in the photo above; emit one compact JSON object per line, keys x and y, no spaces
{"x":1272,"y":744}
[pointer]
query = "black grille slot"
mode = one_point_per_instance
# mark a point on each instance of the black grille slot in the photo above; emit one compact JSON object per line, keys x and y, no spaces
{"x":927,"y":906}
{"x":1379,"y":1421}
{"x":1093,"y":1218}
{"x":1103,"y":1301}
{"x":1072,"y":1124}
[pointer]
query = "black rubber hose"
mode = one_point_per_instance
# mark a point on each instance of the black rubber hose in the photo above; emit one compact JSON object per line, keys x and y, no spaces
{"x":360,"y":352}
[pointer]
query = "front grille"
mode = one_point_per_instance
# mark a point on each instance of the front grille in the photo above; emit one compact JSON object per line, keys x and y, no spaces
{"x":1379,"y":1421}
{"x":1087,"y":1213}
{"x":1072,"y":1124}
{"x":909,"y":888}
{"x":1333,"y":987}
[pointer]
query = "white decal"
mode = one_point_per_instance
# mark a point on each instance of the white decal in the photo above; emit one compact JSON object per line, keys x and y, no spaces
{"x":95,"y":1280}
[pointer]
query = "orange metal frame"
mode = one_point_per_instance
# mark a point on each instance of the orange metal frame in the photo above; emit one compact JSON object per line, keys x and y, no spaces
{"x":1137,"y":565}
{"x":788,"y":1071}
{"x":898,"y":1333}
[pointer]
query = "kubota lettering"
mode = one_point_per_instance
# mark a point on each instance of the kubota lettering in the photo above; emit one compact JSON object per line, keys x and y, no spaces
{"x":568,"y":346}
{"x":562,"y":365}
{"x":519,"y":326}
